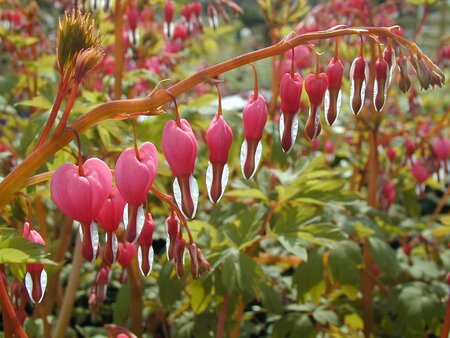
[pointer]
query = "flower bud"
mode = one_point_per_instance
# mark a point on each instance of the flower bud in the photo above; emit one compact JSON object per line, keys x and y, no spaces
{"x":219,"y":137}
{"x":180,"y":149}
{"x":335,"y":72}
{"x":315,"y":86}
{"x":193,"y":255}
{"x":254,"y":118}
{"x":180,"y":32}
{"x":419,"y":172}
{"x":441,"y":147}
{"x":391,"y":154}
{"x":359,"y":73}
{"x":169,"y":9}
{"x":423,"y":73}
{"x":380,"y":86}
{"x":172,"y":228}
{"x":389,"y":57}
{"x":127,"y":251}
{"x":290,"y":94}
{"x":145,"y":251}
{"x":404,"y":81}
{"x":180,"y":245}
{"x":36,"y":276}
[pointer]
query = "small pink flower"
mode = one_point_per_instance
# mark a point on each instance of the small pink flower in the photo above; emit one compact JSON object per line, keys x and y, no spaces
{"x":172,"y":229}
{"x":145,"y":251}
{"x":380,"y":86}
{"x":80,"y":193}
{"x":254,"y":117}
{"x":441,"y":147}
{"x":134,"y":178}
{"x":290,"y":94}
{"x":391,"y":153}
{"x":389,"y":57}
{"x":359,"y":74}
{"x":419,"y":171}
{"x":315,"y":86}
{"x":127,"y":251}
{"x":335,"y":72}
{"x":180,"y":32}
{"x":109,"y":218}
{"x":388,"y":195}
{"x":180,"y":149}
{"x":169,"y":9}
{"x":219,"y":137}
{"x":35,"y":277}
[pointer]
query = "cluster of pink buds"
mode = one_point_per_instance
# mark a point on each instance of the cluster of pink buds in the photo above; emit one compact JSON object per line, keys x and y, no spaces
{"x":35,"y":277}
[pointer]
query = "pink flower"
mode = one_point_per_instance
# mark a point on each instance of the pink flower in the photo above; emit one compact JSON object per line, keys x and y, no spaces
{"x":127,"y":251}
{"x":290,"y":94}
{"x":219,"y":137}
{"x":180,"y":32}
{"x":35,"y":277}
{"x":169,"y":9}
{"x":359,"y":73}
{"x":380,"y":86}
{"x":315,"y":87}
{"x":135,"y":173}
{"x":389,"y":57}
{"x":302,"y":56}
{"x":419,"y":171}
{"x":254,"y":118}
{"x":391,"y":153}
{"x":109,"y":218}
{"x":145,"y":250}
{"x":180,"y":149}
{"x":80,"y":193}
{"x":335,"y":72}
{"x":441,"y":147}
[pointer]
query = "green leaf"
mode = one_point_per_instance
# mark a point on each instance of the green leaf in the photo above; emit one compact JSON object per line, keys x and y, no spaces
{"x":169,"y":286}
{"x":200,"y":292}
{"x":121,"y":307}
{"x":308,"y":274}
{"x":385,"y":257}
{"x":271,"y":299}
{"x":253,"y":193}
{"x":345,"y":259}
{"x":325,"y":317}
{"x":40,"y":102}
{"x":292,"y":245}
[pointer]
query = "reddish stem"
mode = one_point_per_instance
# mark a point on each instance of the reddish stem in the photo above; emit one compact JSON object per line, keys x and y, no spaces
{"x":255,"y":93}
{"x":292,"y":62}
{"x":136,"y":149}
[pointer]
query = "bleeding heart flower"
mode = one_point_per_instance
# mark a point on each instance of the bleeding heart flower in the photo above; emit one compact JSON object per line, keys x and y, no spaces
{"x":388,"y":195}
{"x":172,"y":228}
{"x":135,"y":173}
{"x":315,"y":87}
{"x":389,"y":57}
{"x":420,"y":172}
{"x":180,"y":149}
{"x":133,"y":15}
{"x":35,"y":277}
{"x":441,"y":147}
{"x":254,"y":117}
{"x":359,"y":73}
{"x":380,"y":86}
{"x":127,"y":251}
{"x":219,"y":137}
{"x":80,"y":192}
{"x":335,"y":72}
{"x":391,"y":154}
{"x":290,"y":94}
{"x":145,"y":251}
{"x":109,"y":218}
{"x":169,"y":9}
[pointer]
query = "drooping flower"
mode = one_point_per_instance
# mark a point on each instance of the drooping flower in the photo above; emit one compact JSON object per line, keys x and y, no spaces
{"x":291,"y":85}
{"x":389,"y":57}
{"x":127,"y":251}
{"x":335,"y":72}
{"x":80,"y":192}
{"x":254,"y":118}
{"x":441,"y":147}
{"x":135,"y":172}
{"x":380,"y":86}
{"x":419,"y":172}
{"x":315,"y":86}
{"x":36,"y":276}
{"x":145,"y":251}
{"x":169,"y":9}
{"x":359,"y":74}
{"x":172,"y":229}
{"x":219,"y":137}
{"x":180,"y":149}
{"x":109,"y":218}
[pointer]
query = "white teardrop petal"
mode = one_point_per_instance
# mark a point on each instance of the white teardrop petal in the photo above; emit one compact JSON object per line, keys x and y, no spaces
{"x":338,"y":104}
{"x":193,"y":185}
{"x":209,"y":179}
{"x":167,"y":246}
{"x":375,"y":92}
{"x":43,"y":284}
{"x":281,"y":127}
{"x":243,"y":156}
{"x":140,"y":220}
{"x":139,"y":257}
{"x":94,"y":240}
{"x":177,"y":193}
{"x":225,"y":174}
{"x":257,"y":157}
{"x":151,"y":255}
{"x":125,"y":216}
{"x":352,"y":85}
{"x":294,"y":130}
{"x":326,"y":103}
{"x":80,"y":230}
{"x":29,"y":285}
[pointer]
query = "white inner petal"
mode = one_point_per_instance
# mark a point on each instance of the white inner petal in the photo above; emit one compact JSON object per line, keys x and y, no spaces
{"x":29,"y":285}
{"x":139,"y":257}
{"x":43,"y":284}
{"x":352,"y":85}
{"x":326,"y":103}
{"x":209,"y":179}
{"x":193,"y":185}
{"x":257,"y":157}
{"x":140,"y":220}
{"x":151,"y":255}
{"x":243,"y":156}
{"x":281,"y":127}
{"x":94,"y":240}
{"x":225,"y":174}
{"x":338,"y":104}
{"x":167,"y":246}
{"x":125,"y":216}
{"x":177,"y":193}
{"x":80,"y":230}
